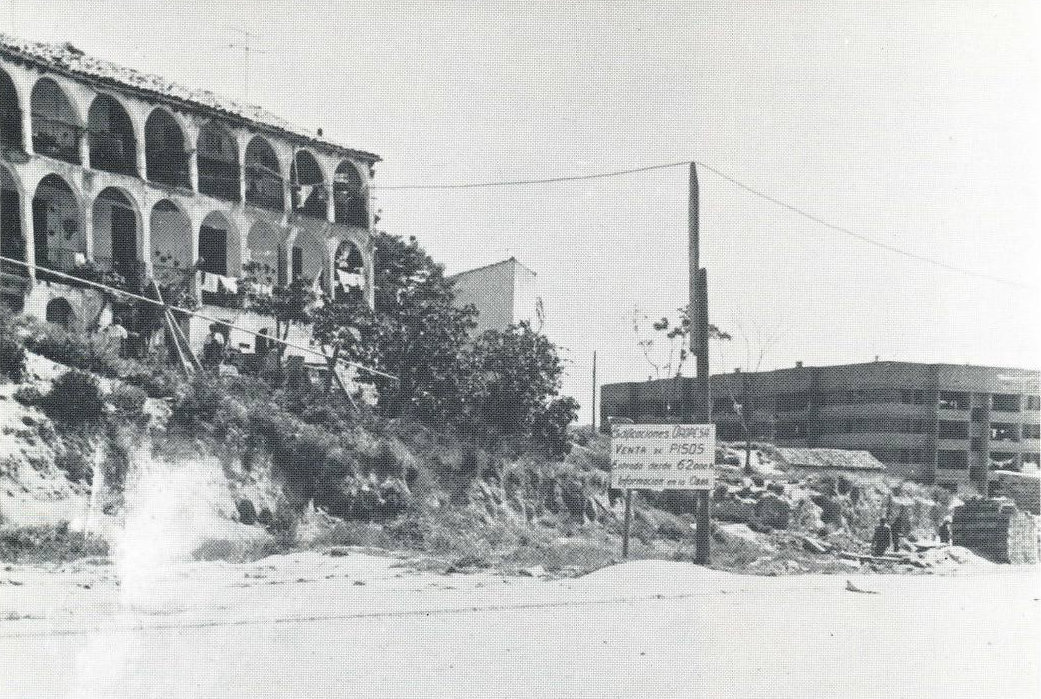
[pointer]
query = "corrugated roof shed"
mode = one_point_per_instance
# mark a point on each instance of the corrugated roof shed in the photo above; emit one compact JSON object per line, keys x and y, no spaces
{"x":832,"y":459}
{"x":66,"y":59}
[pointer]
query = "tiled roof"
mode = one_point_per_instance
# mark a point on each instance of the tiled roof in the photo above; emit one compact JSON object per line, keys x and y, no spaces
{"x":68,"y":60}
{"x":838,"y":459}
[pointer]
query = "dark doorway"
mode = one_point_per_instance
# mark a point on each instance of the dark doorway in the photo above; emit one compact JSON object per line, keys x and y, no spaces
{"x":40,"y":237}
{"x":213,"y":249}
{"x":124,"y":241}
{"x":12,"y":244}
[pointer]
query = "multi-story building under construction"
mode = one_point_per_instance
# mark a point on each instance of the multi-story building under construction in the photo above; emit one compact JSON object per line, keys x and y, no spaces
{"x":938,"y":423}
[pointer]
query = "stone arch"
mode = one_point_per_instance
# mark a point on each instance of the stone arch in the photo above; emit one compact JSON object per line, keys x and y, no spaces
{"x":308,"y":185}
{"x":219,"y":248}
{"x":10,"y":114}
{"x":166,"y":152}
{"x":348,"y":271}
{"x":117,"y":234}
{"x":59,"y":230}
{"x":57,"y":126}
{"x":217,"y":154}
{"x":110,"y":133}
{"x":307,"y":258}
{"x":171,"y":230}
{"x":59,"y":311}
{"x":264,"y":243}
{"x":264,"y":186}
{"x":349,"y":196}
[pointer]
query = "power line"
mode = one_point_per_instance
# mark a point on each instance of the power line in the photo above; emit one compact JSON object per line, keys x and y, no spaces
{"x":506,"y":183}
{"x":733,"y":180}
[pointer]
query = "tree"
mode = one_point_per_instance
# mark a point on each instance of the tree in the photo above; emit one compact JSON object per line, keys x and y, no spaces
{"x":415,"y":332}
{"x":512,"y":386}
{"x":676,"y":336}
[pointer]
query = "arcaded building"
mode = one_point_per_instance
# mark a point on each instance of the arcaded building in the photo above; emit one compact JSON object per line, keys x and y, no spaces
{"x":104,"y":166}
{"x":951,"y":424}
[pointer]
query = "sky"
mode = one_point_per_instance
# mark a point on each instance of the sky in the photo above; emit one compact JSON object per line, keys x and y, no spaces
{"x":914,"y":124}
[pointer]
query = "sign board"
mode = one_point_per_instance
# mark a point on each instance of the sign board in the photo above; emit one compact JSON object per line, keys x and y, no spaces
{"x":663,"y":457}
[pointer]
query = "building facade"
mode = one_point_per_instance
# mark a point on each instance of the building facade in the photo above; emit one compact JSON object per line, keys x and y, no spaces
{"x":123,"y":172}
{"x":937,"y":423}
{"x":504,"y":294}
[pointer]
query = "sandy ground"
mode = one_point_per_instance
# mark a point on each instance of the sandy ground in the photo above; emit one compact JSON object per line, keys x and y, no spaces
{"x":311,"y":625}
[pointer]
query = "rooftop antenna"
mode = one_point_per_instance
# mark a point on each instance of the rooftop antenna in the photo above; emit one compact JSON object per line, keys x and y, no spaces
{"x":247,"y":48}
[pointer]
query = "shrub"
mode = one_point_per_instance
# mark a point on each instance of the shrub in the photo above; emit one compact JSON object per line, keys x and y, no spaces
{"x":74,"y":399}
{"x":128,"y":401}
{"x":55,"y":543}
{"x":12,"y":356}
{"x":28,"y":395}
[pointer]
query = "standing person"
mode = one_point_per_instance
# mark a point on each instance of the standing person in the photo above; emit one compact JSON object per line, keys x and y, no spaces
{"x":945,"y":531}
{"x":882,"y":539}
{"x":901,"y":528}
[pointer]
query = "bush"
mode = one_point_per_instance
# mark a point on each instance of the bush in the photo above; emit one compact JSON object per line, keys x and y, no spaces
{"x":54,"y":543}
{"x":74,"y":399}
{"x":12,"y":356}
{"x":128,"y":401}
{"x":28,"y":395}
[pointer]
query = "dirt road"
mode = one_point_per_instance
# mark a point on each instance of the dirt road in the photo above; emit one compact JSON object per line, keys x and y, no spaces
{"x":361,"y":626}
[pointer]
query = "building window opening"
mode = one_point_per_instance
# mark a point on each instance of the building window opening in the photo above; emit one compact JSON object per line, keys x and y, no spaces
{"x":1033,"y":402}
{"x":166,"y":158}
{"x":948,"y":460}
{"x":350,"y":272}
{"x":172,"y":262}
{"x":59,"y":240}
{"x":1004,"y":432}
{"x":113,"y":147}
{"x":59,"y":311}
{"x":1006,"y":403}
{"x":308,"y":186}
{"x":56,"y":127}
{"x":12,"y":236}
{"x":10,"y":115}
{"x":953,"y":430}
{"x":263,"y":244}
{"x":116,"y":231}
{"x":218,"y":255}
{"x":264,"y":186}
{"x":1003,"y":461}
{"x":218,"y":160}
{"x":1031,"y":431}
{"x":349,"y":196}
{"x":953,"y":401}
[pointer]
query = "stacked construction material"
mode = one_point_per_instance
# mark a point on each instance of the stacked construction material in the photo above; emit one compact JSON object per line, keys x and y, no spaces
{"x":995,"y":529}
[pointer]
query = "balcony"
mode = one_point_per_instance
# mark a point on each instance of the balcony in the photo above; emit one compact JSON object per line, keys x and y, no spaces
{"x":57,"y":138}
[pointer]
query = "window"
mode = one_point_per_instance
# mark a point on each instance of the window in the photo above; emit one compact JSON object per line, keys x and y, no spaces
{"x":979,"y":414}
{"x":1004,"y":432}
{"x":953,"y":430}
{"x":1032,"y":431}
{"x":1004,"y":402}
{"x":792,"y":401}
{"x":977,"y":444}
{"x":1033,"y":402}
{"x":953,"y":401}
{"x":912,"y":397}
{"x":952,"y":460}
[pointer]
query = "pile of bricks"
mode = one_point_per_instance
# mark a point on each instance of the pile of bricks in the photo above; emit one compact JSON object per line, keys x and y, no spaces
{"x":996,"y":530}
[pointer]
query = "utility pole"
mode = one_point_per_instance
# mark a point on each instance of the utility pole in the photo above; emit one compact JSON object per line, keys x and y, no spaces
{"x":699,"y":347}
{"x":594,"y":393}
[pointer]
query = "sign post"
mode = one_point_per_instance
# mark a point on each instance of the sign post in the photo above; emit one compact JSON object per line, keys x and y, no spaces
{"x":661,"y":457}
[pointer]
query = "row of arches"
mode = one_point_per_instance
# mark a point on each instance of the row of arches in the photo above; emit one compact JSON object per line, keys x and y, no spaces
{"x":220,"y":171}
{"x":115,"y":241}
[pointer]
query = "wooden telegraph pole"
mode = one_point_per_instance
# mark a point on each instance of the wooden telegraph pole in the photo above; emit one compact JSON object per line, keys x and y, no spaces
{"x":699,"y":347}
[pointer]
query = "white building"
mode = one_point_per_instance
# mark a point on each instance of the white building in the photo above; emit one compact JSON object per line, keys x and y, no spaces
{"x":504,"y":294}
{"x":122,"y":171}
